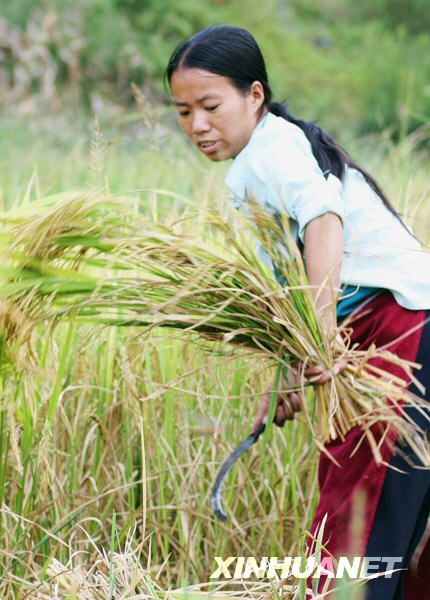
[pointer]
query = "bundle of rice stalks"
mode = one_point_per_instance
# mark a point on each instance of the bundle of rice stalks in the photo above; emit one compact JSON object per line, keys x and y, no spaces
{"x":99,"y":258}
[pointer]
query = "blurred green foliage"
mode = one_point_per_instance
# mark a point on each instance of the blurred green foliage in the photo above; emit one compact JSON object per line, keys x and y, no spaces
{"x":413,"y":15}
{"x":357,"y":66}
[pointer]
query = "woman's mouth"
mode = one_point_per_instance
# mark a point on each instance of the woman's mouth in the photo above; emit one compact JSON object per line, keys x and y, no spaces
{"x":208,"y":145}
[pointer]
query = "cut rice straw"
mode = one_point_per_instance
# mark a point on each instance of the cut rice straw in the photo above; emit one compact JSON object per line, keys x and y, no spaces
{"x":98,"y":258}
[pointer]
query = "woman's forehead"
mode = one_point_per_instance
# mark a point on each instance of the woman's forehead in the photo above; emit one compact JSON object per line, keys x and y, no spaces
{"x":197,"y":84}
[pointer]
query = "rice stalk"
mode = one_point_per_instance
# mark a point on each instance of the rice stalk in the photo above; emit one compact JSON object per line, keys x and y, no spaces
{"x":97,"y":257}
{"x":121,"y":575}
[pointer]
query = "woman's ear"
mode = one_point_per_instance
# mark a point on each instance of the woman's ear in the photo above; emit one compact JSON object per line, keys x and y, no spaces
{"x":257,"y":94}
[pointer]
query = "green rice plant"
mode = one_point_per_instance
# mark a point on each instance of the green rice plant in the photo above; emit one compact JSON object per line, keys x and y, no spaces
{"x":200,"y":273}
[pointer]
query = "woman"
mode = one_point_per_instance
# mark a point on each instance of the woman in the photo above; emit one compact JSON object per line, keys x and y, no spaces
{"x":351,"y":239}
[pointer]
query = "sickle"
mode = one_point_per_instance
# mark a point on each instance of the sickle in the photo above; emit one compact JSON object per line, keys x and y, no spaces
{"x":225,"y":468}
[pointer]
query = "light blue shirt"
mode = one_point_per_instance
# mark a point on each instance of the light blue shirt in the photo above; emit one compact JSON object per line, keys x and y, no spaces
{"x":278,"y":169}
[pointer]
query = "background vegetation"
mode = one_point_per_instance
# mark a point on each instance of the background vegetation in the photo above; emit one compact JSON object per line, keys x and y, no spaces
{"x":369,"y":61}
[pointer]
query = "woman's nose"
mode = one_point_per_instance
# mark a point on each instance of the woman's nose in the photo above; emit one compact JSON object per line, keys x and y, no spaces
{"x":200,"y":122}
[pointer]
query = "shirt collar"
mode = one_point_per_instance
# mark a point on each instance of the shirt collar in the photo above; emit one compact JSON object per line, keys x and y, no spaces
{"x":257,"y":128}
{"x":234,"y":178}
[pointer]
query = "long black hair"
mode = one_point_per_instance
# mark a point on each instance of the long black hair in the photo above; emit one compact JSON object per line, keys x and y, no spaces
{"x":233,"y":52}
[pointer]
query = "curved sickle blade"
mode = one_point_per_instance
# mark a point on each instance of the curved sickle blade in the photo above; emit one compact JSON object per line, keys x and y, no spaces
{"x":225,"y":468}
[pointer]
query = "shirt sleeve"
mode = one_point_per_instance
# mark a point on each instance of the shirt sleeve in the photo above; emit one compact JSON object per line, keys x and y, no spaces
{"x":286,"y":177}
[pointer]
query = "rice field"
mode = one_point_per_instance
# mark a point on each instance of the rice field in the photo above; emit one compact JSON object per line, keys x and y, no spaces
{"x":110,"y":437}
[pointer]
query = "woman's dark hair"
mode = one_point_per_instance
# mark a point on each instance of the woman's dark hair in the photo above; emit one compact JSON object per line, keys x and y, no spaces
{"x":233,"y":52}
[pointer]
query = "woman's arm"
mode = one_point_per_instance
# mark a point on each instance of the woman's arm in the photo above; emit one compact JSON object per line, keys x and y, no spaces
{"x":323,"y":259}
{"x":324,"y":253}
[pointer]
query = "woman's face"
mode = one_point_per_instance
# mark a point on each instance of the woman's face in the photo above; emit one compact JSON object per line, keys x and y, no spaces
{"x":213,"y":113}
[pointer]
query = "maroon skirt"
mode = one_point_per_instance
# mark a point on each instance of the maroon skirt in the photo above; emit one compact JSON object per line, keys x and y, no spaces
{"x":368,"y":510}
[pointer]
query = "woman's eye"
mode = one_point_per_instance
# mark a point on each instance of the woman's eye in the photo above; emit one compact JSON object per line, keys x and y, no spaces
{"x":184,"y":113}
{"x":212,"y":107}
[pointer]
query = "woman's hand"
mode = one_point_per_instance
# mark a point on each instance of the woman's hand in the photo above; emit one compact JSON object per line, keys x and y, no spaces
{"x":288,"y":403}
{"x":318,"y":374}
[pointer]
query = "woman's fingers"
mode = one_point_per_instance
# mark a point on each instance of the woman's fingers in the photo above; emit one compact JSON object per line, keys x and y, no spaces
{"x":295,"y":402}
{"x":340,"y":366}
{"x":262,"y":411}
{"x":318,"y":374}
{"x":288,"y":405}
{"x":283,"y":412}
{"x":316,"y":370}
